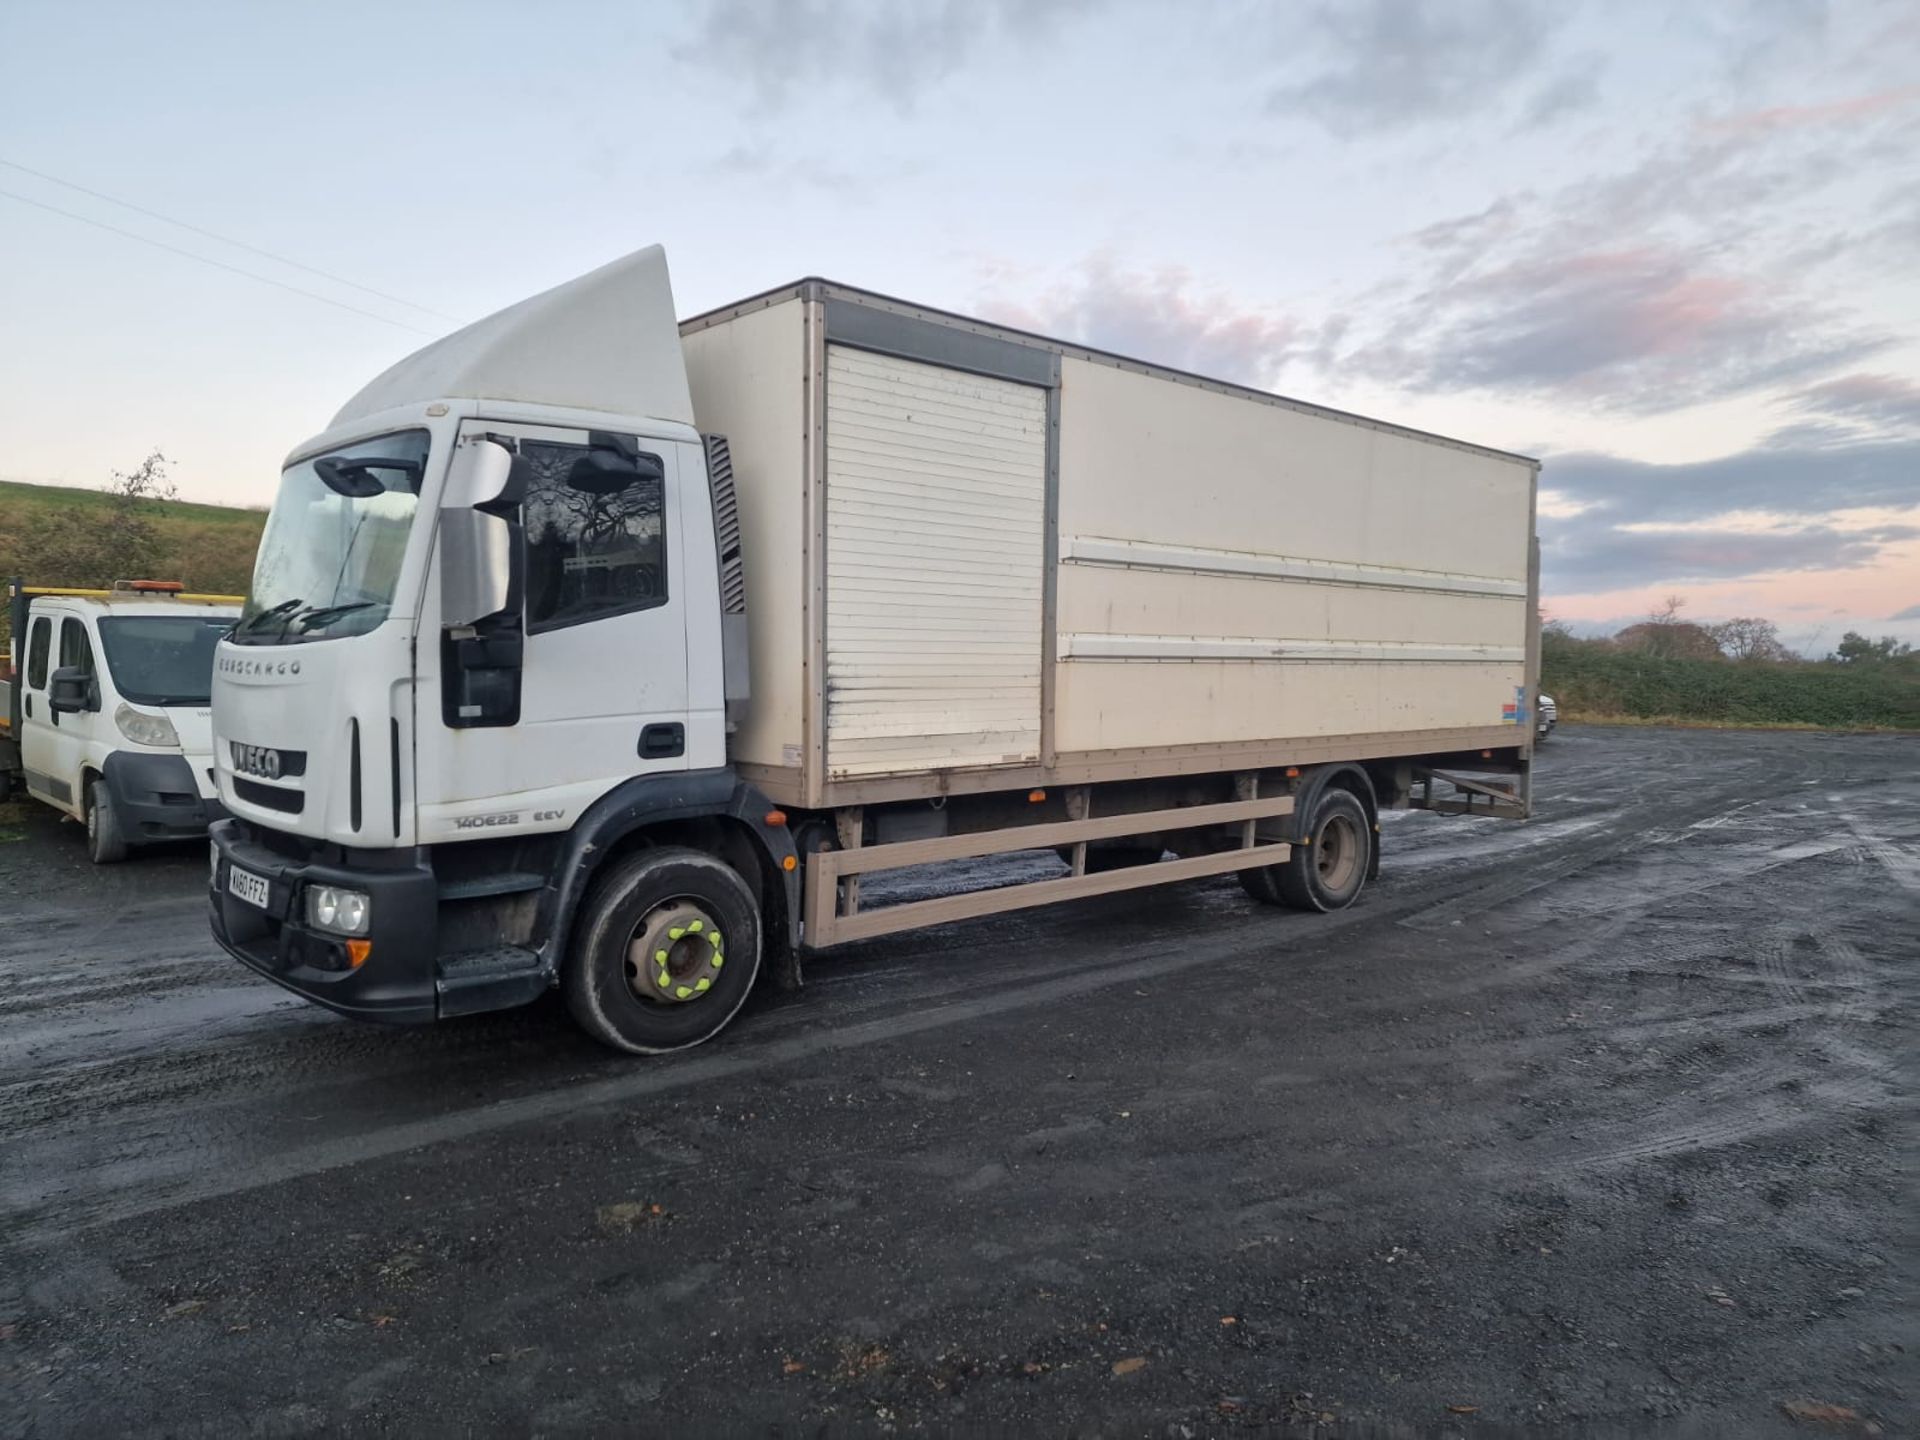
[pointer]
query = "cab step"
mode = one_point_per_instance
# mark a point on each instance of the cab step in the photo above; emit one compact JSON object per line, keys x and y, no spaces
{"x":471,"y":981}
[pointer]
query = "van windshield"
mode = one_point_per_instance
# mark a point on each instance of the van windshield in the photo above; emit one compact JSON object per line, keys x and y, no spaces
{"x":162,"y":659}
{"x":331,"y":553}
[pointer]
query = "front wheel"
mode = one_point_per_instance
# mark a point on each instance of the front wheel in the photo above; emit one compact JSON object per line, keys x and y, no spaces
{"x":1330,"y":869}
{"x":664,"y":953}
{"x":106,"y":842}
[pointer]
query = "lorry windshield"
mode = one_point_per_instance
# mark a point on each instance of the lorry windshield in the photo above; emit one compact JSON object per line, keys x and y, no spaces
{"x":331,"y":553}
{"x":162,"y":659}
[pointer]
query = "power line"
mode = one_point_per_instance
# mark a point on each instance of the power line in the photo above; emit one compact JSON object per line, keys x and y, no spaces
{"x":217,"y":264}
{"x":227,"y":240}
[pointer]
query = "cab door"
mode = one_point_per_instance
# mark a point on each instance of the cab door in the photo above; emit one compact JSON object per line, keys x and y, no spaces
{"x":39,"y":737}
{"x":603,"y":684}
{"x":53,"y":747}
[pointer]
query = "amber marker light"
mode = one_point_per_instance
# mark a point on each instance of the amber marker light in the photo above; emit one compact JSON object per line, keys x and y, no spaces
{"x":357,"y":952}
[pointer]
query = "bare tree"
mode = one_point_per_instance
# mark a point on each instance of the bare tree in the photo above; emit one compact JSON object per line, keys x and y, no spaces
{"x":1748,"y":637}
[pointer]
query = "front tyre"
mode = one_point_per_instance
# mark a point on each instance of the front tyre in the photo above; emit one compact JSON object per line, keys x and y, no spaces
{"x":664,"y":953}
{"x":106,"y":841}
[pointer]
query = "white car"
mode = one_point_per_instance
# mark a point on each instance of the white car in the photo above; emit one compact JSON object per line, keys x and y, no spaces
{"x":1546,"y":716}
{"x":109,"y":715}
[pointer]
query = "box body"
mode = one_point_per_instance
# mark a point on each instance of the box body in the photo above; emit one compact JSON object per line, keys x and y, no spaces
{"x":981,"y":559}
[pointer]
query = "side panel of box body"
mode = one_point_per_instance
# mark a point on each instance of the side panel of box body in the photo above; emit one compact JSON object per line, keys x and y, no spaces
{"x":1234,"y":571}
{"x":749,"y":383}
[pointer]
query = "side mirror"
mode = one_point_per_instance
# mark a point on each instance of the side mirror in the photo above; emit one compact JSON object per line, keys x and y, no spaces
{"x":476,"y":566}
{"x":479,"y":566}
{"x":70,"y":691}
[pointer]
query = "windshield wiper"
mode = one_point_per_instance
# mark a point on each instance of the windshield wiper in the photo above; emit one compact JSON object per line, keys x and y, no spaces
{"x":272,"y":612}
{"x":327,"y":614}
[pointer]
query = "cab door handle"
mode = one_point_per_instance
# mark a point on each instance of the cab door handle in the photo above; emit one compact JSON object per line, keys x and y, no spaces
{"x":663,"y":741}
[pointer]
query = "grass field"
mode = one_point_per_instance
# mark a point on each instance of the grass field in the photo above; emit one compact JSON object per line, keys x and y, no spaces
{"x":19,"y":496}
{"x":45,"y":529}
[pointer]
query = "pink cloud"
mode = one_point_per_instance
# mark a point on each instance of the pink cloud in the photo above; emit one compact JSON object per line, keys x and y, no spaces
{"x":1787,"y":117}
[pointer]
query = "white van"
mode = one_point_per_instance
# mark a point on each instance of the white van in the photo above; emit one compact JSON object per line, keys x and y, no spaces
{"x":109,"y":713}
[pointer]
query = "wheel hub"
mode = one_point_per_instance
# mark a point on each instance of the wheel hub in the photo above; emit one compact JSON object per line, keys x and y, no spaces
{"x":676,"y":954}
{"x":1336,"y":852}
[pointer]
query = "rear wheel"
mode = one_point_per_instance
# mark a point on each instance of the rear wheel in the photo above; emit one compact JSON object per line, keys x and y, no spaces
{"x":1102,"y":859}
{"x":106,"y":842}
{"x":664,"y":953}
{"x":1330,"y":869}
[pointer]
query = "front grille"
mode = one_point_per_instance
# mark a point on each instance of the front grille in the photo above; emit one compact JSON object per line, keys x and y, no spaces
{"x":269,"y":797}
{"x":266,"y":761}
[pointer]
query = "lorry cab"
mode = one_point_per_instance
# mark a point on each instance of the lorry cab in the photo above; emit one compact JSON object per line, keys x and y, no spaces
{"x":111,"y":710}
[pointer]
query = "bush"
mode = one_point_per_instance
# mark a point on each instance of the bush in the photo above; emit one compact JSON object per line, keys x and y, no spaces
{"x":1595,"y":678}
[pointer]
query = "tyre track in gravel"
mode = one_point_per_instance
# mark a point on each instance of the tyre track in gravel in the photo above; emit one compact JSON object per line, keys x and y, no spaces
{"x":101,"y":1120}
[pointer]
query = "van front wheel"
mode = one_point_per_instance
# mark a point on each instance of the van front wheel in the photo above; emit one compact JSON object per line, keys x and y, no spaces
{"x":106,"y":842}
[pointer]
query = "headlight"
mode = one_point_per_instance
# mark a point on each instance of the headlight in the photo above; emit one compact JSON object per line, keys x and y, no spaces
{"x":342,"y":912}
{"x":144,"y":729}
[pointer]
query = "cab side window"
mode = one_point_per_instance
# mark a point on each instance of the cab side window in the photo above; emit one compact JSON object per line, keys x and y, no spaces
{"x":75,"y":649}
{"x":38,"y":644}
{"x":596,"y":544}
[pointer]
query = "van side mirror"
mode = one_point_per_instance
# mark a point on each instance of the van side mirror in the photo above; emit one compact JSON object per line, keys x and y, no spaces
{"x":70,"y":690}
{"x":480,"y":558}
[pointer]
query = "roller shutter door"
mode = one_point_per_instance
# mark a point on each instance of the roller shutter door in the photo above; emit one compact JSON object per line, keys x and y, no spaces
{"x":936,"y":509}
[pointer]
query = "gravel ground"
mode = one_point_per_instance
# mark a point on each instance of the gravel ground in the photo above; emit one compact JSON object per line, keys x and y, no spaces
{"x":1596,"y":1123}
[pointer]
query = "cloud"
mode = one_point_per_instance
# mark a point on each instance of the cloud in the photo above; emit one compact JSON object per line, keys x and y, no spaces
{"x":1780,"y":477}
{"x":1646,"y":328}
{"x":1577,"y":558}
{"x":1387,"y":64}
{"x":779,"y":47}
{"x":1883,"y":402}
{"x":1163,"y":316}
{"x":1780,"y":117}
{"x":1912,"y":612}
{"x":1682,"y":278}
{"x":1574,"y":89}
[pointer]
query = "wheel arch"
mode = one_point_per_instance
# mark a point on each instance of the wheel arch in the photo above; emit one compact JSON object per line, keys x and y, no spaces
{"x":709,"y":810}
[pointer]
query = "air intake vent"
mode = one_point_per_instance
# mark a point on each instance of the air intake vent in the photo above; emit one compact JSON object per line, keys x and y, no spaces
{"x":726,"y":527}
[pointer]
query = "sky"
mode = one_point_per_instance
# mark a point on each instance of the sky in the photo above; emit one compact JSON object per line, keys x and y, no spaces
{"x":1674,"y":251}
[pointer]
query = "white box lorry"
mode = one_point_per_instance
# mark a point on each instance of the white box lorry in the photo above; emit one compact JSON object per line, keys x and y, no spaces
{"x":108,"y":712}
{"x":594,"y":650}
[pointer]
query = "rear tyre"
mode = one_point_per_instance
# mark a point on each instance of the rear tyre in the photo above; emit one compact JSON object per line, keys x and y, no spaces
{"x":1329,"y":872}
{"x":1260,"y":884}
{"x":664,"y":953}
{"x":1103,"y":859}
{"x":106,"y":841}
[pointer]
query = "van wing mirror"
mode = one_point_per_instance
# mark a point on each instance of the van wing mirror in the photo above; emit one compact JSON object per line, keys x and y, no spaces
{"x":480,"y":533}
{"x":70,"y":690}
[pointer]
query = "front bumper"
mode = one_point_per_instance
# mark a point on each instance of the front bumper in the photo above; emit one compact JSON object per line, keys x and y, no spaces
{"x":155,"y":796}
{"x":395,"y":984}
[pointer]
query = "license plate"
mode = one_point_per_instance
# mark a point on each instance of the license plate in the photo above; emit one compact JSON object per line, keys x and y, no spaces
{"x":247,"y":886}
